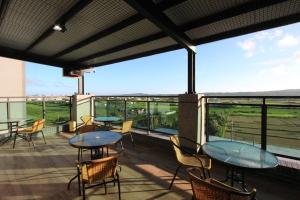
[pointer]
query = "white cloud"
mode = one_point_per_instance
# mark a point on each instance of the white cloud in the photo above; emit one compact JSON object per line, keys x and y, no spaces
{"x":288,"y":40}
{"x":248,"y":46}
{"x":270,"y":35}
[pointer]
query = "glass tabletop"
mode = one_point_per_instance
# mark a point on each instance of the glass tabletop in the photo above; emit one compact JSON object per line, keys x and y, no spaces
{"x":96,"y":139}
{"x":240,"y":154}
{"x":107,"y":119}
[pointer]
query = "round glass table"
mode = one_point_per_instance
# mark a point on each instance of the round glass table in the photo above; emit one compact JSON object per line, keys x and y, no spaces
{"x":12,"y":123}
{"x":107,"y":120}
{"x":239,"y":156}
{"x":95,"y":139}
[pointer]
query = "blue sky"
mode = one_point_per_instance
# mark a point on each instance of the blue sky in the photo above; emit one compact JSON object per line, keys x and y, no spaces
{"x":266,"y":60}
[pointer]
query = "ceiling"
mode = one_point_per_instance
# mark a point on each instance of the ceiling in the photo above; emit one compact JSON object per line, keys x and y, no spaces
{"x":102,"y":32}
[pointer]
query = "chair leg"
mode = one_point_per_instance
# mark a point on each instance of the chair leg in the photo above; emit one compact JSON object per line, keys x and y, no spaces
{"x":107,"y":154}
{"x":174,"y":176}
{"x":119,"y":187}
{"x":43,"y":137}
{"x":15,"y":140}
{"x":105,"y":188}
{"x":30,"y":140}
{"x":131,"y":139}
{"x":83,"y":191}
{"x":122,"y":144}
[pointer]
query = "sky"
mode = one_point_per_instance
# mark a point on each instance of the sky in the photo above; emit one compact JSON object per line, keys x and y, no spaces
{"x":261,"y":61}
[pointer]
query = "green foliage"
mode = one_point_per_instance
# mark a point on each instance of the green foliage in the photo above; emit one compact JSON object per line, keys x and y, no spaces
{"x":217,"y":123}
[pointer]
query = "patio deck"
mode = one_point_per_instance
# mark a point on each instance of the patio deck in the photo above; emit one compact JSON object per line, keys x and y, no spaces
{"x":147,"y":170}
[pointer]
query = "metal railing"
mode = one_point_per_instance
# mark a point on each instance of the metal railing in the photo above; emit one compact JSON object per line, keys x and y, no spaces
{"x":271,"y":122}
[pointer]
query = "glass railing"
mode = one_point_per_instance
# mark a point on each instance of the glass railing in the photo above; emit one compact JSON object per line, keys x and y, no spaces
{"x":151,"y":113}
{"x":272,"y":123}
{"x":56,"y":110}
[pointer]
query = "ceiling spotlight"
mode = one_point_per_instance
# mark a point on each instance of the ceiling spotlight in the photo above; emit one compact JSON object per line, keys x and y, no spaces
{"x":59,"y":27}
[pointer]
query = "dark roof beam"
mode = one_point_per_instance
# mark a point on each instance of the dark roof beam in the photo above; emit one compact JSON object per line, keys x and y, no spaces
{"x":150,"y":11}
{"x":131,"y":20}
{"x":250,"y":29}
{"x":231,"y":12}
{"x":62,"y":20}
{"x":20,"y":55}
{"x":123,"y":46}
{"x":135,"y":56}
{"x":163,"y":5}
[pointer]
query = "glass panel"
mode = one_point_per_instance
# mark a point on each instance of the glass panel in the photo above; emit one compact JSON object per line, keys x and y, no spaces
{"x":83,"y":108}
{"x":109,"y":108}
{"x":137,"y":110}
{"x":57,"y":112}
{"x":3,"y":115}
{"x":164,"y":117}
{"x":283,"y":130}
{"x":17,"y":110}
{"x":234,"y":122}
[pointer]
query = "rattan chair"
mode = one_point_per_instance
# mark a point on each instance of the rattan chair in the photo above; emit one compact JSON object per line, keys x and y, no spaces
{"x":125,"y":130}
{"x":211,"y":189}
{"x":185,"y":158}
{"x":87,"y":119}
{"x":26,"y":133}
{"x":99,"y":172}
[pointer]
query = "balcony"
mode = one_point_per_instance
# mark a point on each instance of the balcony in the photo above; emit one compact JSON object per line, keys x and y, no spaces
{"x":147,"y":168}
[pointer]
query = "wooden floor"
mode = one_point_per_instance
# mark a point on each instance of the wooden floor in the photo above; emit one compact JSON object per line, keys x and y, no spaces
{"x":43,"y":173}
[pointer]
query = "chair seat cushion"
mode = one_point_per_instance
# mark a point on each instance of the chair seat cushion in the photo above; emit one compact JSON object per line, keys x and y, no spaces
{"x":194,"y":162}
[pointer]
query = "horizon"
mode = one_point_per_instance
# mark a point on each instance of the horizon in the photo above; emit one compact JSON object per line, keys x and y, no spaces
{"x":258,"y":62}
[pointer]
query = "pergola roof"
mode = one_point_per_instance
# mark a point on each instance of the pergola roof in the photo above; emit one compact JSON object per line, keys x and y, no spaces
{"x":100,"y":32}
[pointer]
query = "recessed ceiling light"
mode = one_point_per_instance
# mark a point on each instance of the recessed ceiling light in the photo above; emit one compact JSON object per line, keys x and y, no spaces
{"x":59,"y":27}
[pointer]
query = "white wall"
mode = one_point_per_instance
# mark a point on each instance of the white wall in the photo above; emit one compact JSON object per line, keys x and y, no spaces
{"x":12,"y":78}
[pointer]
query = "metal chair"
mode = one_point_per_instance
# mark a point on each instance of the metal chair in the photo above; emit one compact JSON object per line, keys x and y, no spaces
{"x":211,"y":189}
{"x":96,"y":172}
{"x":185,"y":158}
{"x":125,"y":130}
{"x":26,"y":133}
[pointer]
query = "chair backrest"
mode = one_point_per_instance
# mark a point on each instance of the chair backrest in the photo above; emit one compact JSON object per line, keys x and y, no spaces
{"x":87,"y":119}
{"x":126,"y":126}
{"x":38,"y":125}
{"x":99,"y":169}
{"x":176,"y":146}
{"x":87,"y":128}
{"x":210,"y":189}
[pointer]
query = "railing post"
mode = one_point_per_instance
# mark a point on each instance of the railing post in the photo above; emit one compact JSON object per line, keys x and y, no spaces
{"x":7,"y":109}
{"x":264,"y":125}
{"x":44,"y":108}
{"x":206,"y":119}
{"x":70,"y":108}
{"x":125,"y":109}
{"x":148,"y":117}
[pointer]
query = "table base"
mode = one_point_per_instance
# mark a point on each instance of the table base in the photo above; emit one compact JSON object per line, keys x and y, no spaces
{"x":235,"y":174}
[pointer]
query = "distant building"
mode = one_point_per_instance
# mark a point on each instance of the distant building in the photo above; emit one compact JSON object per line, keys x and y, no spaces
{"x":12,"y":78}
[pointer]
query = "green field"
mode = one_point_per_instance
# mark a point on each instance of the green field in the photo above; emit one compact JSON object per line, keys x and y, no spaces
{"x":55,"y":111}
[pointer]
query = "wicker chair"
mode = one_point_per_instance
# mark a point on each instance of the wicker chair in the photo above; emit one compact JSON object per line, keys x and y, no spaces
{"x":26,"y":133}
{"x":211,"y":189}
{"x":125,"y":130}
{"x":99,"y":172}
{"x":87,"y":119}
{"x":185,"y":158}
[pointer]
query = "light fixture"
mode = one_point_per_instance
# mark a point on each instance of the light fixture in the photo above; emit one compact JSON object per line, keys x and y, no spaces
{"x":59,"y":27}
